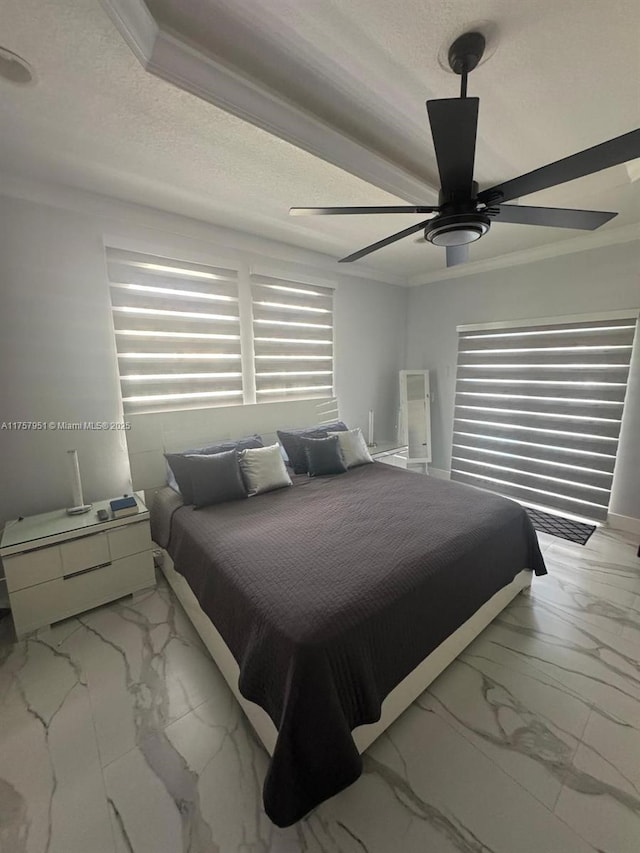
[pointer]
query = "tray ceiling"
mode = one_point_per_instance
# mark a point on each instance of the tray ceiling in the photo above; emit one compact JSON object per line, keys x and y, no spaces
{"x":337,"y":91}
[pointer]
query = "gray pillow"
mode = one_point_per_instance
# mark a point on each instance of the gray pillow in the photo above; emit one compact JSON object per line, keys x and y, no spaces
{"x":291,"y":441}
{"x":324,"y":456}
{"x":354,"y":447}
{"x":215,"y":478}
{"x":263,"y":469}
{"x":178,"y":476}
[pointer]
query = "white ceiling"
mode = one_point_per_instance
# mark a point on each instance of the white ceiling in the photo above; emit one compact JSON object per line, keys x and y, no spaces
{"x":563,"y":77}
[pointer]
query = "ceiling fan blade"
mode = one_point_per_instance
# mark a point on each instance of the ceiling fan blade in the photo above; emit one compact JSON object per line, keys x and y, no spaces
{"x":612,"y":153}
{"x":454,"y":122}
{"x":332,"y":211}
{"x":553,"y":217}
{"x":382,"y":243}
{"x":457,"y":255}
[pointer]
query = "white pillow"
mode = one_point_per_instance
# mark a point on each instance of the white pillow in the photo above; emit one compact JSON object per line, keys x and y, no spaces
{"x":354,"y":447}
{"x":263,"y":469}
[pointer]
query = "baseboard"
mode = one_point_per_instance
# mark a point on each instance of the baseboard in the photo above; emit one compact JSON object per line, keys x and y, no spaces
{"x":438,"y":473}
{"x":623,"y":522}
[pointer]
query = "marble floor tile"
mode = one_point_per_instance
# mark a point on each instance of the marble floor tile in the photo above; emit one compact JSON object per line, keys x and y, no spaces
{"x":145,"y":668}
{"x":51,"y":785}
{"x":546,"y":540}
{"x":118,"y":734}
{"x":601,"y":798}
{"x":521,"y":719}
{"x":601,"y":604}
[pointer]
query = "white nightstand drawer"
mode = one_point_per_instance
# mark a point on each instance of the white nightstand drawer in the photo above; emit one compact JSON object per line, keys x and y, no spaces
{"x":33,"y":567}
{"x":85,"y":553}
{"x":37,"y":606}
{"x":130,"y":539}
{"x":101,"y":585}
{"x":62,"y":597}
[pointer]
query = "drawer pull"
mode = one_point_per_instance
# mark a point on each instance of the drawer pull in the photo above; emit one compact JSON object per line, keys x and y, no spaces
{"x":85,"y":571}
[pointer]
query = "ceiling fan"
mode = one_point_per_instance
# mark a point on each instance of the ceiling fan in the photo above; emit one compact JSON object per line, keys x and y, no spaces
{"x":463,"y":214}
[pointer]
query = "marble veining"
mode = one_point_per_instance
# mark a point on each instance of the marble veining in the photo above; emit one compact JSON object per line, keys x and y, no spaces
{"x":118,"y":734}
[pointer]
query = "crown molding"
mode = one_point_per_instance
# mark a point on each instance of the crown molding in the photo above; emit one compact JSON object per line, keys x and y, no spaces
{"x":136,"y":25}
{"x":594,"y":240}
{"x":171,"y":59}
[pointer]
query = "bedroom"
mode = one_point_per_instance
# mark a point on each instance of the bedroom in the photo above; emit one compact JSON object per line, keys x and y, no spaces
{"x":88,"y":160}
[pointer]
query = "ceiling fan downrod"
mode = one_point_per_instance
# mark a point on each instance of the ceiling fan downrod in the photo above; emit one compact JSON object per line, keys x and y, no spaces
{"x":464,"y":55}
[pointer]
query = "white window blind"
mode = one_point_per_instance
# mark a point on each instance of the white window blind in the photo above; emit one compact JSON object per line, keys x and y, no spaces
{"x":177,"y":330}
{"x":538,"y":411}
{"x":292,"y":339}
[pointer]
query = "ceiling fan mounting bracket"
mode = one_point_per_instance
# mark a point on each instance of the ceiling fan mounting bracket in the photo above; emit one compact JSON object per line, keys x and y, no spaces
{"x":464,"y":55}
{"x":466,"y":52}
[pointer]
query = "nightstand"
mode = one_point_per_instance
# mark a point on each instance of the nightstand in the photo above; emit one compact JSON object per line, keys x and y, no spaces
{"x":390,"y":452}
{"x":57,"y":565}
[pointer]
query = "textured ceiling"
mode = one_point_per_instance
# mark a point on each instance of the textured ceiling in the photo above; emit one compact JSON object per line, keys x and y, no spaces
{"x":564,"y":76}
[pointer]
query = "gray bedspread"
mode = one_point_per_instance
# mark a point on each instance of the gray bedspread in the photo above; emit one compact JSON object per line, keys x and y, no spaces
{"x":330,"y":592}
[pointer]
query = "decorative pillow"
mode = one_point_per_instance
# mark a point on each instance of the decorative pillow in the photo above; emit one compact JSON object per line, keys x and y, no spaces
{"x":290,"y":439}
{"x":353,"y":446}
{"x":179,"y":467}
{"x":233,"y":444}
{"x":324,"y":456}
{"x":178,"y":476}
{"x":263,"y":469}
{"x":215,"y":478}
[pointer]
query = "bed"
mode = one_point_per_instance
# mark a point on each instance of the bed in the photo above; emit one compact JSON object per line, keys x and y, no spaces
{"x":329,"y":606}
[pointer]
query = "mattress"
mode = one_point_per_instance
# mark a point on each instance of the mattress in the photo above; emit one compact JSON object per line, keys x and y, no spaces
{"x":330,"y":592}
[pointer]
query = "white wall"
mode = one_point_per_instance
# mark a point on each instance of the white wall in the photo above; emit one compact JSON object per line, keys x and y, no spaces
{"x":598,"y":280}
{"x":57,"y":355}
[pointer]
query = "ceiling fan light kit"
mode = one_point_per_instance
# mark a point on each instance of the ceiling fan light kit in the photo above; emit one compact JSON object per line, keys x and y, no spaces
{"x":464,"y":214}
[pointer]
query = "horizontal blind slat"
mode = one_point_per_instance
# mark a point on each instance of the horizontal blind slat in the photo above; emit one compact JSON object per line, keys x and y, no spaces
{"x":592,"y":444}
{"x":543,"y":374}
{"x":564,"y":358}
{"x":171,"y":346}
{"x":321,"y":346}
{"x":530,"y":465}
{"x":173,"y":306}
{"x":561,"y":424}
{"x":573,"y":328}
{"x":166,"y":324}
{"x":156,"y":265}
{"x":283,"y":285}
{"x":547,"y":482}
{"x":213,"y":290}
{"x":611,"y":337}
{"x":526,"y":495}
{"x":182,"y":405}
{"x":154,"y":386}
{"x":571,"y":456}
{"x":300,"y":301}
{"x":547,"y":406}
{"x":614,"y":392}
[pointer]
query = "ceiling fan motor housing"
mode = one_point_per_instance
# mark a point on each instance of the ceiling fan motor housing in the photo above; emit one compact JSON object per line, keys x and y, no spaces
{"x":457,"y":229}
{"x":458,"y":222}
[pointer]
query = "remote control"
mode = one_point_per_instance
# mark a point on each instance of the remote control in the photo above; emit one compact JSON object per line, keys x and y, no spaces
{"x":103,"y":515}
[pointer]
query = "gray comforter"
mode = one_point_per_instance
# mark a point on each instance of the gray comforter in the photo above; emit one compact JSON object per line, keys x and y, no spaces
{"x":329,"y":593}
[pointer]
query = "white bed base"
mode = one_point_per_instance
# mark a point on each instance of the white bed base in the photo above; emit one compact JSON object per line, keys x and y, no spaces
{"x":394,"y":704}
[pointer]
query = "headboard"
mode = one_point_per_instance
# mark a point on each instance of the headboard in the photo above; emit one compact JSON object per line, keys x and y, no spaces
{"x":153,"y":434}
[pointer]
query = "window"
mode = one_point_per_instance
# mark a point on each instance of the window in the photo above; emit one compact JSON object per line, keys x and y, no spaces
{"x":292,"y":339}
{"x":192,"y":335}
{"x":539,"y":408}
